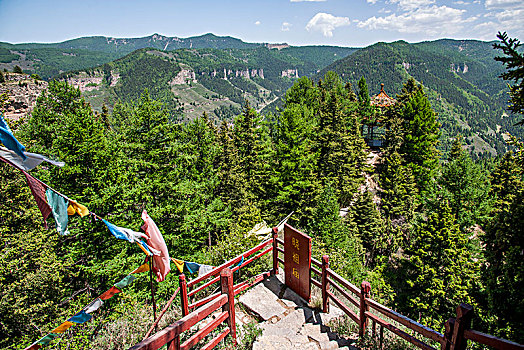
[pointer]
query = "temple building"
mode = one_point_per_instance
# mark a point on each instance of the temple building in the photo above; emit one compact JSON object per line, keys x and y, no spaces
{"x":372,"y":129}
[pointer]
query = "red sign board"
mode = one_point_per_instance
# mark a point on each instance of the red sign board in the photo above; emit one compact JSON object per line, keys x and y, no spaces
{"x":297,"y":261}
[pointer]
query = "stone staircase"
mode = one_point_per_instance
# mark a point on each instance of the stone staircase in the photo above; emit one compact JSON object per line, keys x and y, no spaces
{"x":287,"y":321}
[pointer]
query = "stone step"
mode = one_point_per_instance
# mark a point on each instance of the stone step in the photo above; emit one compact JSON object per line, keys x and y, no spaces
{"x":287,"y":322}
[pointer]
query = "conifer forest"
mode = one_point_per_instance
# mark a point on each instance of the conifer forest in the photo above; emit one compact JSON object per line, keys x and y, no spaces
{"x":428,"y":227}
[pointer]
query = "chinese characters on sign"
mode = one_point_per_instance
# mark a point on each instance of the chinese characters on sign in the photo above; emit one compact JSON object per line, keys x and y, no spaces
{"x":297,"y":261}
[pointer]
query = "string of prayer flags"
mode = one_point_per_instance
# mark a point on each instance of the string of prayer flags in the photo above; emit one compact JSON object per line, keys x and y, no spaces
{"x":161,"y":262}
{"x":85,"y":314}
{"x":32,"y":159}
{"x":193,"y":267}
{"x":131,"y":236}
{"x":9,"y":140}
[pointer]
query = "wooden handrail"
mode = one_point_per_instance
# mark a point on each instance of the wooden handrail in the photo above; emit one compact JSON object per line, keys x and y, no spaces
{"x":399,"y":332}
{"x":406,"y":321}
{"x":236,"y":268}
{"x":344,"y":307}
{"x":169,"y":333}
{"x":315,"y":282}
{"x":352,"y":288}
{"x":316,"y":262}
{"x":208,"y":328}
{"x":491,"y":340}
{"x":344,"y":293}
{"x":214,"y":342}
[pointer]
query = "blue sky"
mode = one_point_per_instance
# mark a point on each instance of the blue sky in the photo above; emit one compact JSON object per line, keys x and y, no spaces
{"x":297,"y":22}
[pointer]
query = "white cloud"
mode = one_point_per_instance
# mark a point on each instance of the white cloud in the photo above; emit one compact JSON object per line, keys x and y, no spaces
{"x":412,"y":4}
{"x":257,"y":23}
{"x":383,"y":10}
{"x":286,"y":26}
{"x":372,"y":2}
{"x":436,"y":21}
{"x":326,"y":23}
{"x":460,"y":2}
{"x":505,"y":15}
{"x":493,"y":4}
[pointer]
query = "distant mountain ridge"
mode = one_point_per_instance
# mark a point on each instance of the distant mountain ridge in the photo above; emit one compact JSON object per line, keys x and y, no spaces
{"x":126,"y":45}
{"x":52,"y":59}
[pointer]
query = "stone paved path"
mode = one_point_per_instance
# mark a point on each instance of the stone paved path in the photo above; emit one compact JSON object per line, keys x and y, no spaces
{"x":286,"y":320}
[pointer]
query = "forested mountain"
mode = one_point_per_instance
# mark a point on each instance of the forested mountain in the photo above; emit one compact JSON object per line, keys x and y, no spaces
{"x":461,"y":80}
{"x":49,"y":60}
{"x":193,"y":81}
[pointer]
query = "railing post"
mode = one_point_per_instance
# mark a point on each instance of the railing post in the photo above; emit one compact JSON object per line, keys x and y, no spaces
{"x":462,"y":322}
{"x":325,"y":284}
{"x":365,"y":289}
{"x":448,"y":334}
{"x":275,"y":251}
{"x":183,"y":294}
{"x":226,"y":283}
{"x":174,"y":344}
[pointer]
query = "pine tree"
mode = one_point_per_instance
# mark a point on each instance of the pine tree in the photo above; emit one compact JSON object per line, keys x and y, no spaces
{"x":371,"y":230}
{"x":514,"y":62}
{"x":339,"y":144}
{"x":435,"y":274}
{"x":465,"y":185}
{"x":232,"y":185}
{"x":421,"y":138}
{"x":295,"y":168}
{"x":399,"y":192}
{"x":503,"y":272}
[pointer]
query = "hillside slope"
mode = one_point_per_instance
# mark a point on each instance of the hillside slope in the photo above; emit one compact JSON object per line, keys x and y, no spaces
{"x":461,"y":79}
{"x":193,"y":81}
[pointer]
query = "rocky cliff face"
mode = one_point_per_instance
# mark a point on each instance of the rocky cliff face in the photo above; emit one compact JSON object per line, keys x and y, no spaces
{"x":22,"y":93}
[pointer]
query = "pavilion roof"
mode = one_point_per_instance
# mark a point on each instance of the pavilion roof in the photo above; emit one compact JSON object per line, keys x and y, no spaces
{"x":382,"y":99}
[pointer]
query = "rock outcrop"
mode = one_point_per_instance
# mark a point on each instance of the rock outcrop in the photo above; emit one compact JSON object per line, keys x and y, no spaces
{"x":22,"y":94}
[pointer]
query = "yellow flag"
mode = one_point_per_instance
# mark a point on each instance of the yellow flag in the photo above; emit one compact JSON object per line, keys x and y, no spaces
{"x":63,"y":327}
{"x":142,"y":268}
{"x":179,"y":264}
{"x":77,"y":208}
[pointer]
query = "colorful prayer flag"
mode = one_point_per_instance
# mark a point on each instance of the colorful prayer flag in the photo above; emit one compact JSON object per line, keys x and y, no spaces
{"x":80,"y":317}
{"x":192,"y":267}
{"x":125,"y":282}
{"x":32,"y":161}
{"x":9,"y":140}
{"x":63,"y":327}
{"x":179,"y":264}
{"x":109,"y":294}
{"x":161,"y":265}
{"x":124,"y":233}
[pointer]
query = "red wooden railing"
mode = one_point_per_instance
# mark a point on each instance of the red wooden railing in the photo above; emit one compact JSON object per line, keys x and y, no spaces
{"x":170,"y":335}
{"x":457,"y":333}
{"x":457,"y":329}
{"x":184,"y":286}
